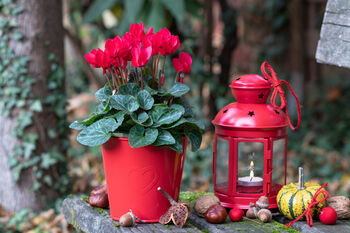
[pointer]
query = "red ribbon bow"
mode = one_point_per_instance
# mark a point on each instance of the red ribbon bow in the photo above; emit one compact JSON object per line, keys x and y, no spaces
{"x":313,"y":202}
{"x":277,"y":89}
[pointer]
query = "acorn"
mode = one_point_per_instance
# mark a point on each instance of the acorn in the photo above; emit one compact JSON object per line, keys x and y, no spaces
{"x":262,"y":202}
{"x":251,"y":213}
{"x":127,"y":220}
{"x":265,"y":215}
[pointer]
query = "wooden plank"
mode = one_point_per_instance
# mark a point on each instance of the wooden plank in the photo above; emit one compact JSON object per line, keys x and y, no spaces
{"x":334,"y":44}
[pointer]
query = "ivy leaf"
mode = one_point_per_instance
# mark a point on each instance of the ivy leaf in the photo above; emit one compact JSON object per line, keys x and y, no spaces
{"x":36,"y":106}
{"x":177,"y":90}
{"x":129,"y":89}
{"x":139,"y":137}
{"x":164,"y":115}
{"x":139,"y":118}
{"x":97,"y":133}
{"x":77,"y":125}
{"x":195,"y":137}
{"x":164,"y":138}
{"x":125,"y":103}
{"x":145,"y":100}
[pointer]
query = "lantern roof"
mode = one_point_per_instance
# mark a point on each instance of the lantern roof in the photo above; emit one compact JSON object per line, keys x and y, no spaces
{"x":251,"y":110}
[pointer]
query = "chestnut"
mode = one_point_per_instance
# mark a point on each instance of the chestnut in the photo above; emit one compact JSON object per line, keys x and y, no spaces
{"x":216,"y":214}
{"x":98,"y":197}
{"x":99,"y":200}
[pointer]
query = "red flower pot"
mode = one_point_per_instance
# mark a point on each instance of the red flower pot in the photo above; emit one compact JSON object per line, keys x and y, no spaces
{"x":134,"y":174}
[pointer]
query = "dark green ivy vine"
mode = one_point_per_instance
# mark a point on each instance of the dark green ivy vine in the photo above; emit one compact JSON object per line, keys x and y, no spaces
{"x":16,"y":94}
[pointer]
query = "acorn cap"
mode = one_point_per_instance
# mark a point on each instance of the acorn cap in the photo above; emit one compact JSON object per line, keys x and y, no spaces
{"x":263,"y":202}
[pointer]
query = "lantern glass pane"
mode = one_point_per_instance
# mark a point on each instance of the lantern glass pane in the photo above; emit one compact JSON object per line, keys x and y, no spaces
{"x":222,"y":158}
{"x":250,"y":169}
{"x":279,"y":150}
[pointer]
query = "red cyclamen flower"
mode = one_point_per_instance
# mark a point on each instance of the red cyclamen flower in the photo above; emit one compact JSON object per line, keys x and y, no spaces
{"x":103,"y":60}
{"x":183,"y":63}
{"x":169,"y":43}
{"x":137,"y":31}
{"x":91,"y":58}
{"x":140,"y":56}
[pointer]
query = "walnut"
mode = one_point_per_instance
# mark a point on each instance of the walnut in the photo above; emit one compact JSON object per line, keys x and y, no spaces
{"x":341,"y":205}
{"x":203,"y":203}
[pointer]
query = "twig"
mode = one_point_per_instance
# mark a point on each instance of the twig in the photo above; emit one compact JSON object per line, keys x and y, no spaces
{"x":252,"y":220}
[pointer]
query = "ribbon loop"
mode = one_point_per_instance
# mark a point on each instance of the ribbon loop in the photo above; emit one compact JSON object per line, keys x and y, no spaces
{"x":313,"y":202}
{"x":278,"y":90}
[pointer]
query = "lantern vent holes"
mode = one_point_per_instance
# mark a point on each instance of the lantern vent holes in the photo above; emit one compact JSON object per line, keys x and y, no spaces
{"x":261,"y":95}
{"x":238,"y":78}
{"x":277,"y":112}
{"x":266,"y":79}
{"x":225,"y":111}
{"x":251,"y":113}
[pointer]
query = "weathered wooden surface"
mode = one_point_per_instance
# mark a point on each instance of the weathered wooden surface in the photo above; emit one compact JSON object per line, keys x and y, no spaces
{"x":87,"y":219}
{"x":334,"y":44}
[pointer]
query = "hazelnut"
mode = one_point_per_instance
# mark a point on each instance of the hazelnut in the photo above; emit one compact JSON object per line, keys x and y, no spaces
{"x":216,"y":214}
{"x":203,"y":203}
{"x":265,"y":215}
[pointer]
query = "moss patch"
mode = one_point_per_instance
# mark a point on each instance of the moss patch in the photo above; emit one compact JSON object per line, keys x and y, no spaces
{"x":191,"y":197}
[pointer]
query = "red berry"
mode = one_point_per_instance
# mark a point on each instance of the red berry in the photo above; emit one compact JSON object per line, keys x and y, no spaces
{"x":236,"y":215}
{"x":328,"y":216}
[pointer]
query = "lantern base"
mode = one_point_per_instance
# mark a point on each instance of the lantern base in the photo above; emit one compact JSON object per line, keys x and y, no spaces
{"x":242,"y":202}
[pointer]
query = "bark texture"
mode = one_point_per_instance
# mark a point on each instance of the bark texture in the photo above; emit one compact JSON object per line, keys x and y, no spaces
{"x":41,"y":25}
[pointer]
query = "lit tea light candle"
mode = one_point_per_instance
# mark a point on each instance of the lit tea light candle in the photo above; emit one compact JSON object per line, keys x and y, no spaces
{"x":250,"y":180}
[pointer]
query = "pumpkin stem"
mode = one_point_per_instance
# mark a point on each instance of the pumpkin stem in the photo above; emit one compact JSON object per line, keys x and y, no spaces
{"x":301,"y":179}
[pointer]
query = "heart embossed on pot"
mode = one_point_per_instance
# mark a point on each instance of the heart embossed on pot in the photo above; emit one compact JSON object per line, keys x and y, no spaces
{"x":144,"y":179}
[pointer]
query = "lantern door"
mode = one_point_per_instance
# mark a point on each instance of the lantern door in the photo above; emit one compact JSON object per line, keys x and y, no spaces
{"x":221,"y":175}
{"x":251,"y":166}
{"x":279,"y":163}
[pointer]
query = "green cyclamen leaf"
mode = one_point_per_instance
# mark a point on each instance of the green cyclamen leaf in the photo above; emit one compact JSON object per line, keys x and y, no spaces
{"x":139,"y":118}
{"x":125,"y":103}
{"x":177,"y":146}
{"x":139,"y":136}
{"x":164,"y":138}
{"x":145,"y":100}
{"x":97,"y":133}
{"x":195,"y":137}
{"x":77,"y":125}
{"x":164,"y":115}
{"x":129,"y":89}
{"x":103,"y":94}
{"x":178,"y":90}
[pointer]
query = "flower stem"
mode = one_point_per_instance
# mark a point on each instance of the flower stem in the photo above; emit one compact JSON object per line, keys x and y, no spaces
{"x":164,"y":64}
{"x":109,"y":82}
{"x":142,"y":78}
{"x":137,"y":76}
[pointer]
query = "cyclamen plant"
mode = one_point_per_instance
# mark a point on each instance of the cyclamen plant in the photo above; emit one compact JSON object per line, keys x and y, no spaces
{"x":134,"y":103}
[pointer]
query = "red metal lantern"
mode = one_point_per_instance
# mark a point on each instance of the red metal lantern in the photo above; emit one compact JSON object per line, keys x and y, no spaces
{"x":250,"y":148}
